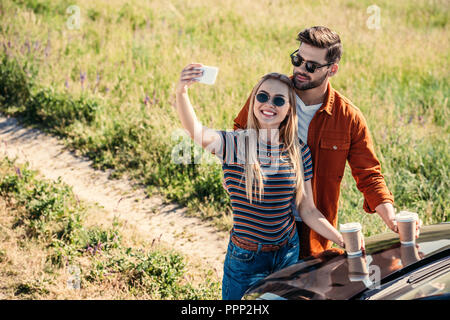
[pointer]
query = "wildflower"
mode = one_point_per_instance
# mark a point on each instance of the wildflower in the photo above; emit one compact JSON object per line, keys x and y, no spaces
{"x":36,"y":46}
{"x":410,"y":119}
{"x":421,"y":119}
{"x":27,"y":45}
{"x":147,"y":99}
{"x":19,"y":174}
{"x":82,"y":78}
{"x":66,"y":83}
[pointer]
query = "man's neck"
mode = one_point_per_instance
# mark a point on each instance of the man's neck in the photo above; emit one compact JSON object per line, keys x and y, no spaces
{"x":313,"y":96}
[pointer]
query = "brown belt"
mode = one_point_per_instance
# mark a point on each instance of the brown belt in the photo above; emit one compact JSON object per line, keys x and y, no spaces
{"x":252,"y":246}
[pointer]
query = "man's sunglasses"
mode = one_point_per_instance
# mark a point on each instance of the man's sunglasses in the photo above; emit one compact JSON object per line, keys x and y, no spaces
{"x":277,"y":101}
{"x":298,"y":60}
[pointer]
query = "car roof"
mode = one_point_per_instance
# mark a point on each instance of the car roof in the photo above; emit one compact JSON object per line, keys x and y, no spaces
{"x":335,"y":275}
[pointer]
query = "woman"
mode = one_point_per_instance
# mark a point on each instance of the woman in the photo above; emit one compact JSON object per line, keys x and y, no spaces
{"x":262,"y":177}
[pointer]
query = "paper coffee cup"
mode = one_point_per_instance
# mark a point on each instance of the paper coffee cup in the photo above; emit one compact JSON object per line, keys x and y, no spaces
{"x":351,"y":232}
{"x":357,"y":266}
{"x":406,"y":223}
{"x":409,"y":254}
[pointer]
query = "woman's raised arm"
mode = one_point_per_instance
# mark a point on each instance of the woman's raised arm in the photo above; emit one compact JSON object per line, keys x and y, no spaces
{"x":201,"y":135}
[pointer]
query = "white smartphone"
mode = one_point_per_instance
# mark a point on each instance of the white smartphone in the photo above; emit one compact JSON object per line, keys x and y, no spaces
{"x":209,"y":75}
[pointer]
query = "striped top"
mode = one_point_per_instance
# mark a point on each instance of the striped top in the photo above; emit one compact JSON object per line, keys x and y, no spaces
{"x":271,"y":219}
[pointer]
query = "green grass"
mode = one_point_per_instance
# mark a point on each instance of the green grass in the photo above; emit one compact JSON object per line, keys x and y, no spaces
{"x":108,"y":88}
{"x":53,"y":219}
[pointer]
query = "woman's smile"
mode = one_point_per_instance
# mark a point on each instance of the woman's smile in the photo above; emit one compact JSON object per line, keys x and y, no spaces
{"x":267,"y":113}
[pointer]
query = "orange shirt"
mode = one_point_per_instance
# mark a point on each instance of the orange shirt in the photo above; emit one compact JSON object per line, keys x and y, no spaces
{"x":337,"y":133}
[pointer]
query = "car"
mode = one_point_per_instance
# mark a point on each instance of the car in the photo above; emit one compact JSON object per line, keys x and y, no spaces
{"x":386,"y":270}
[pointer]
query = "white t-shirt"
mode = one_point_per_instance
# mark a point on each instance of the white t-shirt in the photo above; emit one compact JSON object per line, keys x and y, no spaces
{"x":305,"y":114}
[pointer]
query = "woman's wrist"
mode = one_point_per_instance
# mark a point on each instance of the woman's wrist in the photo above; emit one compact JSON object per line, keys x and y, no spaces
{"x":340,"y":241}
{"x":181,"y":91}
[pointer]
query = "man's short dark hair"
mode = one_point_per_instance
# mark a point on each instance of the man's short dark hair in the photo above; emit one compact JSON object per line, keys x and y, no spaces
{"x":322,"y":37}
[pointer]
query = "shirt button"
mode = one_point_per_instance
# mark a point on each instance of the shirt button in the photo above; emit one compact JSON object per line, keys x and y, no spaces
{"x":334,"y":147}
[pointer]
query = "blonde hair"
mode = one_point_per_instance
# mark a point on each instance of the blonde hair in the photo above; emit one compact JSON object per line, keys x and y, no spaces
{"x":288,"y":135}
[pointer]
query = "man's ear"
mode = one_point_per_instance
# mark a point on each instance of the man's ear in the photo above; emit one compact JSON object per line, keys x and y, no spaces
{"x":333,"y":70}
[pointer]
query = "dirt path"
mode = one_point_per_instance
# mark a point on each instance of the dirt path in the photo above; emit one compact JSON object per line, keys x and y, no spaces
{"x":151,"y":217}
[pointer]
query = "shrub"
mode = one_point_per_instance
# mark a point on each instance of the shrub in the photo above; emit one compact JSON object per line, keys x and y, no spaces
{"x":52,"y":109}
{"x":15,"y":84}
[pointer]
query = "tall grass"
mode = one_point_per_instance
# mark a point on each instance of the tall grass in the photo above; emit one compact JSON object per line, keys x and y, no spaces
{"x":108,"y":87}
{"x":55,"y":221}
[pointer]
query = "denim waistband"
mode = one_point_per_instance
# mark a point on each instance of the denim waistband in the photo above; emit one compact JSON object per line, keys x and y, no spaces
{"x":253,"y":246}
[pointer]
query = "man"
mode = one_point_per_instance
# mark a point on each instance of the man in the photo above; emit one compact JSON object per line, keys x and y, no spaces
{"x":335,"y":131}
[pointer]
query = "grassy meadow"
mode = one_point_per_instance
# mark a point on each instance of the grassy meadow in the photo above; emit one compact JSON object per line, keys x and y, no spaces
{"x":106,"y":86}
{"x":54,"y":246}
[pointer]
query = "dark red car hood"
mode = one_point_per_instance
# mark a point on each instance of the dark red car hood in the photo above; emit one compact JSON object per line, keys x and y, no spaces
{"x":334,"y":275}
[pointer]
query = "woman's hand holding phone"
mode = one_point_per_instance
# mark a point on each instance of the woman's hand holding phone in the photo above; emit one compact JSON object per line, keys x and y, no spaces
{"x":195,"y":72}
{"x":189,"y":75}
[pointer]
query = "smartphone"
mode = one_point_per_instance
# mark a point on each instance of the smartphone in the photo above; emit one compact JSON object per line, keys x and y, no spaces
{"x":209,"y":75}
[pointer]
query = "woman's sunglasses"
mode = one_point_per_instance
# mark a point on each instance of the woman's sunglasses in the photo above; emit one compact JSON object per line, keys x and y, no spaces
{"x":277,"y":101}
{"x":298,"y":60}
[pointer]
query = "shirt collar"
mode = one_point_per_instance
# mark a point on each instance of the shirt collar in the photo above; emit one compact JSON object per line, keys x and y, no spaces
{"x":327,"y":106}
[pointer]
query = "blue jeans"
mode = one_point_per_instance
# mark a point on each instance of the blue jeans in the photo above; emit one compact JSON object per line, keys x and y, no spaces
{"x":243,"y":268}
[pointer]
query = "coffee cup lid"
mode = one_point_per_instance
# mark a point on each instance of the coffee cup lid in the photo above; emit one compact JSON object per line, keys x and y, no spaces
{"x":350,"y":227}
{"x":405,"y":216}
